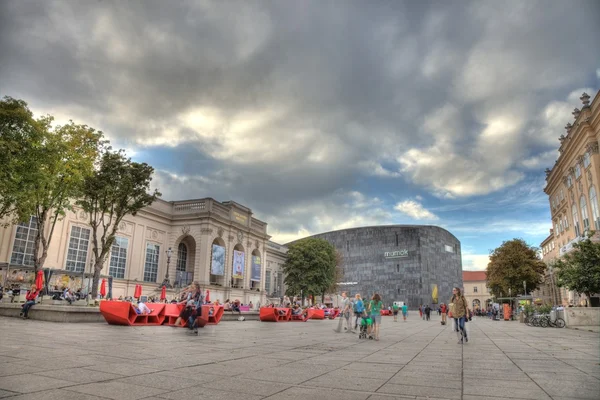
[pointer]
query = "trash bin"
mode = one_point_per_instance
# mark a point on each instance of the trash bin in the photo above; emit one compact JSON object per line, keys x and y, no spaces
{"x":553,"y":315}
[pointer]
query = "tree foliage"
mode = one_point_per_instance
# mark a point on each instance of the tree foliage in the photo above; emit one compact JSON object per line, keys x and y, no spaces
{"x":310,"y":267}
{"x":579,"y":270}
{"x":118,"y":187}
{"x":20,"y":136}
{"x":57,"y":169}
{"x":512,"y":263}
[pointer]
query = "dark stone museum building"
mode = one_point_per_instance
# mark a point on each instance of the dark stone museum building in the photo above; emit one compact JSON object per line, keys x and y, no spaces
{"x":410,"y":263}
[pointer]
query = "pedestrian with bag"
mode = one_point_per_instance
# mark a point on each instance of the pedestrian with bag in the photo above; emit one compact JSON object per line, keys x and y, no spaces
{"x":345,"y":315}
{"x":359,"y":308}
{"x":458,"y":308}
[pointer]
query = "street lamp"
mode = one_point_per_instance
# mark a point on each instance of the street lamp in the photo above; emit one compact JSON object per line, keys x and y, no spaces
{"x":166,"y":281}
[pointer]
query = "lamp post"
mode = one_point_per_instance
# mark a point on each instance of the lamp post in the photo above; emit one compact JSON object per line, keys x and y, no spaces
{"x":166,"y":281}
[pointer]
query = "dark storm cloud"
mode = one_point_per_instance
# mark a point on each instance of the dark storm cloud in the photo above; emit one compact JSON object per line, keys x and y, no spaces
{"x":286,"y":104}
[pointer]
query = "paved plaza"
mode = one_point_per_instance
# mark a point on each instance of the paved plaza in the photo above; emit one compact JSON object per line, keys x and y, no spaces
{"x":252,"y":360}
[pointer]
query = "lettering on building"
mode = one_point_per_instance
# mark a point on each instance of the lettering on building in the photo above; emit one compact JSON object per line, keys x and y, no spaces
{"x":396,"y":254}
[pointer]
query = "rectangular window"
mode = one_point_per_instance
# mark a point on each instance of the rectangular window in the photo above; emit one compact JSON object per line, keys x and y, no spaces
{"x":118,"y":257}
{"x":78,"y":249}
{"x":22,"y":253}
{"x":474,"y":289}
{"x":268,"y":282}
{"x":280,"y":284}
{"x":449,"y":249}
{"x":151,"y":266}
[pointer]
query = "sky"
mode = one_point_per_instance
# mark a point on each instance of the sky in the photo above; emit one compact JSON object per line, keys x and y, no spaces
{"x":323,"y":115}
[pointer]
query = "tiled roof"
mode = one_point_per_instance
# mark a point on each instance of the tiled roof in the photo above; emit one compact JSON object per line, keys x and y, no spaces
{"x":470,"y":276}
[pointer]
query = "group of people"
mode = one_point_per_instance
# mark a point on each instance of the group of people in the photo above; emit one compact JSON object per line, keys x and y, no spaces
{"x":359,"y":309}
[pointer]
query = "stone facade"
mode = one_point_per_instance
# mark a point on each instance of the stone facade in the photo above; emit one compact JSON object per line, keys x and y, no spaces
{"x":573,"y":183}
{"x":188,"y":228}
{"x":400,"y":262}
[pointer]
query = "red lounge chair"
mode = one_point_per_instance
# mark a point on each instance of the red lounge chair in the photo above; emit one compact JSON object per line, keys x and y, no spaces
{"x":123,"y":313}
{"x":305,"y":316}
{"x":272,"y":314}
{"x":318,"y":314}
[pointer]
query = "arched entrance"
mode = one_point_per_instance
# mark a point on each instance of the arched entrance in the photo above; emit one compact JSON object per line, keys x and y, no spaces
{"x":184,"y":264}
{"x":217,"y":264}
{"x":238,"y":263}
{"x":255,"y":269}
{"x":476,"y":304}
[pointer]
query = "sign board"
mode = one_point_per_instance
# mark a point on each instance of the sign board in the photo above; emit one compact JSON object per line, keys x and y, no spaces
{"x":241,"y":218}
{"x":396,"y":254}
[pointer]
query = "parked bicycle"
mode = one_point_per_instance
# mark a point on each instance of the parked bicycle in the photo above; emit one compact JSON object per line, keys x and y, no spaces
{"x":544,"y":321}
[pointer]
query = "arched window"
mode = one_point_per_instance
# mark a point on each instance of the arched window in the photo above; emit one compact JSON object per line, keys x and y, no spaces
{"x":577,"y":171}
{"x":182,"y":257}
{"x":594,"y":205}
{"x":586,"y":160}
{"x":576,"y":221}
{"x":584,"y":214}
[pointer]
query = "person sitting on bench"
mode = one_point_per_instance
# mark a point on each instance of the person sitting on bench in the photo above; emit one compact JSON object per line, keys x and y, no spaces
{"x":235,"y":307}
{"x":297,"y":310}
{"x":69,"y":296}
{"x":144,"y":309}
{"x":30,"y":297}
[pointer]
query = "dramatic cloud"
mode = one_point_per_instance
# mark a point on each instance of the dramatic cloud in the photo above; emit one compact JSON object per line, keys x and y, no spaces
{"x":320,"y":115}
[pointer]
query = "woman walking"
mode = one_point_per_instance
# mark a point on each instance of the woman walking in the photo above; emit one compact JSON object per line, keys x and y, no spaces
{"x":359,"y":308}
{"x":458,"y":308}
{"x":375,"y":306}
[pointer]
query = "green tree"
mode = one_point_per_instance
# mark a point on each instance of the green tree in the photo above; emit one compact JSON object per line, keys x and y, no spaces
{"x":512,"y":263}
{"x":310,"y":267}
{"x":58,"y":168}
{"x":118,"y":187}
{"x":20,"y":137}
{"x":579,"y":270}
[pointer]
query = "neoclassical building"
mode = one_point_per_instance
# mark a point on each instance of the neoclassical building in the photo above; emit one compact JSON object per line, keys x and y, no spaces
{"x":219,"y":244}
{"x":573,"y":183}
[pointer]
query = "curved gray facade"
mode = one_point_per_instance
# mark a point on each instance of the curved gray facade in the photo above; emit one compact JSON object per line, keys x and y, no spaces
{"x":400,"y":262}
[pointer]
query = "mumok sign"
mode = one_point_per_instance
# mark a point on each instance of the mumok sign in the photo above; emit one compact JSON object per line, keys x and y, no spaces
{"x":396,"y":254}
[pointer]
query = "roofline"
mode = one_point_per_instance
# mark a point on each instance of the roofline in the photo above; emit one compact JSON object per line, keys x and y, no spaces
{"x":381,"y":226}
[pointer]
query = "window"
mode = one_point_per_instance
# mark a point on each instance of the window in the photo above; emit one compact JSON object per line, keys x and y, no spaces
{"x":577,"y":171}
{"x":569,"y":181}
{"x":118,"y":257}
{"x":181,"y":257}
{"x":151,"y":266}
{"x":22,"y":253}
{"x":584,"y":214}
{"x":576,"y":221}
{"x":449,"y":249}
{"x":565,"y":222}
{"x":560,"y":226}
{"x":268,"y":282}
{"x":474,"y":289}
{"x":397,"y":267}
{"x":78,"y":248}
{"x":586,"y":160}
{"x":594,"y":205}
{"x":562,"y":195}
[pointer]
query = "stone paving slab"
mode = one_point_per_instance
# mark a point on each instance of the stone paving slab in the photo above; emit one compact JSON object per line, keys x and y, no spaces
{"x":252,"y":360}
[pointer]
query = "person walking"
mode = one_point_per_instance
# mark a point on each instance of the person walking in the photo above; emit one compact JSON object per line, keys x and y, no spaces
{"x":375,"y":306}
{"x":404,"y":311}
{"x":443,"y":310}
{"x":421,"y":310}
{"x":345,"y":315}
{"x":395,"y":308}
{"x":427,"y":312}
{"x":359,"y":308}
{"x":458,"y":308}
{"x":30,"y":297}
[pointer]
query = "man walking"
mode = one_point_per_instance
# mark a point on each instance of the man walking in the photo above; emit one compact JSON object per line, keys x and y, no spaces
{"x":404,"y":311}
{"x":345,"y":315}
{"x":427,"y":312}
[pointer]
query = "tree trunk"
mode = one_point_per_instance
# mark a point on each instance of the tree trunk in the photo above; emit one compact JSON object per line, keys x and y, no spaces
{"x":98,"y":265}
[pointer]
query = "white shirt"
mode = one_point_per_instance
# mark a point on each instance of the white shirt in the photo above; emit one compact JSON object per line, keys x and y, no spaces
{"x":144,"y":308}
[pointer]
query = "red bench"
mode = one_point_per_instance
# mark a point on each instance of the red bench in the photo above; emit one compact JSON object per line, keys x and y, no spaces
{"x":172,"y":312}
{"x":305,"y":316}
{"x":386,"y":312}
{"x":273,"y":314}
{"x":333,"y":313}
{"x":123,"y":313}
{"x":217,"y":313}
{"x":318,"y":314}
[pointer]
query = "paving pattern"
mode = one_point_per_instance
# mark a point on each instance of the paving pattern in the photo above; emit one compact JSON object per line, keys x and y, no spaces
{"x":251,"y":360}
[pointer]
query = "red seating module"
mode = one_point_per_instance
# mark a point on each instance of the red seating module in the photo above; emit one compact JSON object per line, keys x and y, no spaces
{"x":123,"y":313}
{"x":275,"y":314}
{"x":318,"y":314}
